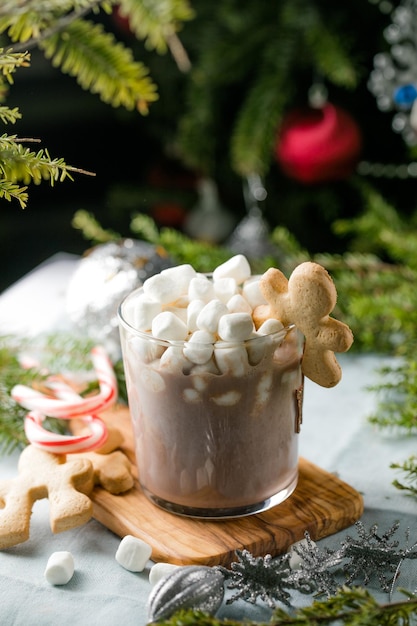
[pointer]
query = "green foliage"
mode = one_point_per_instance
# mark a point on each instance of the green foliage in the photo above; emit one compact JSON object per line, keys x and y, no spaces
{"x":101,"y":65}
{"x":59,"y":353}
{"x":156,"y":22}
{"x":247,"y":62}
{"x":409,"y":468}
{"x":84,"y":50}
{"x":349,"y":607}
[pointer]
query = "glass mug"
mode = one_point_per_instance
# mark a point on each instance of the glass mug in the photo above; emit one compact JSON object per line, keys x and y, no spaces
{"x":211,"y":444}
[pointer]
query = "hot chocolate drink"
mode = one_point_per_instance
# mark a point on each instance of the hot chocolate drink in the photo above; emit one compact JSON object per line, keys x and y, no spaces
{"x":215,"y":404}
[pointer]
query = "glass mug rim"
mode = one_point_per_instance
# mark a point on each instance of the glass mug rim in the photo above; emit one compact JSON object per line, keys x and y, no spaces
{"x":276,"y":335}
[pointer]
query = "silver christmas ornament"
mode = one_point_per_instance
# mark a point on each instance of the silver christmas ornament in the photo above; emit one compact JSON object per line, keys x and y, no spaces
{"x":209,"y":220}
{"x":196,"y":587}
{"x":251,"y":236}
{"x":104,"y":276}
{"x":393,"y":80}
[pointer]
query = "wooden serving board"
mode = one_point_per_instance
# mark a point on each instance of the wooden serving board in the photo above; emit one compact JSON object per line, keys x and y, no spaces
{"x":321,"y":504}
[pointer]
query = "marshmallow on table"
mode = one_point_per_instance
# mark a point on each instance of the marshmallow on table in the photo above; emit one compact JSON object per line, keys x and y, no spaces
{"x":236,"y":267}
{"x":133,"y":553}
{"x":60,"y":568}
{"x":160,"y":570}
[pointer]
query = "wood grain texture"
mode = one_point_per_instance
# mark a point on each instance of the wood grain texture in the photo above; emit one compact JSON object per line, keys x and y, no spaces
{"x":321,"y":504}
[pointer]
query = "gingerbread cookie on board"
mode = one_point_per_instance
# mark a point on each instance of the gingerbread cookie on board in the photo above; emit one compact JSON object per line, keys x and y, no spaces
{"x":45,"y":475}
{"x":66,"y":480}
{"x":306,"y":300}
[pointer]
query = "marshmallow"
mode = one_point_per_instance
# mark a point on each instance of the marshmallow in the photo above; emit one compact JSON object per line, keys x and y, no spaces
{"x":238,"y":304}
{"x":270,"y":326}
{"x":133,"y":553}
{"x":146,"y":349}
{"x":144,"y":312}
{"x":193,"y":311}
{"x":237,"y":267}
{"x":229,"y":398}
{"x":151,"y":379}
{"x":160,"y":570}
{"x":201,"y":288}
{"x":181,"y":275}
{"x":263,"y":392}
{"x":191,"y":395}
{"x":199,"y":348}
{"x":59,"y":568}
{"x":161,"y":288}
{"x":235,"y":327}
{"x":209,"y":316}
{"x":168,"y":326}
{"x":174,"y":360}
{"x":180,"y":312}
{"x":231,"y":360}
{"x":225,"y":288}
{"x":256,"y":348}
{"x":252,"y":293}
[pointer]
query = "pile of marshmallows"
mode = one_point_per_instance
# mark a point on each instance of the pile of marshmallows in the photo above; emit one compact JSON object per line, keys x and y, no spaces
{"x":210,"y":315}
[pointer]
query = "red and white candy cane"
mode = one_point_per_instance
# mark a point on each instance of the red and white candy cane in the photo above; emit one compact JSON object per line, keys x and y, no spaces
{"x":34,"y":400}
{"x":65,"y":444}
{"x":67,"y":405}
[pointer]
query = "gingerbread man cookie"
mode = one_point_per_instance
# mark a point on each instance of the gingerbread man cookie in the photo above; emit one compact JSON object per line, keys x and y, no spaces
{"x":306,"y":300}
{"x":45,"y":475}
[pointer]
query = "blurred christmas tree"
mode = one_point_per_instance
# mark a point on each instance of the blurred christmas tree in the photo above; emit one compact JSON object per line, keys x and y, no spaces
{"x":261,"y":68}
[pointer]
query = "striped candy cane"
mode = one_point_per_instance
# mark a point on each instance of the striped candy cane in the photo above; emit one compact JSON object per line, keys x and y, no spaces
{"x":67,"y":404}
{"x":65,"y":444}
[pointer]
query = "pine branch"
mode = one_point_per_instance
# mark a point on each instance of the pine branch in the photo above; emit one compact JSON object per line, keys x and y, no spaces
{"x":409,"y":468}
{"x":101,"y":65}
{"x":11,"y":191}
{"x":18,"y":163}
{"x":325,"y":48}
{"x":349,"y":607}
{"x":156,"y":22}
{"x":255,"y":129}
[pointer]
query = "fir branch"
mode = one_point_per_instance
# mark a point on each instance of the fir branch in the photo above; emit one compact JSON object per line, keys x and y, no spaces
{"x":156,"y":22}
{"x":325,"y":48}
{"x":11,"y":191}
{"x":59,"y":353}
{"x":8,"y":115}
{"x":18,"y":163}
{"x":10,"y":61}
{"x":349,"y":607}
{"x":203,"y":256}
{"x":101,"y":65}
{"x":254,"y":133}
{"x":409,"y":468}
{"x":91,"y":229}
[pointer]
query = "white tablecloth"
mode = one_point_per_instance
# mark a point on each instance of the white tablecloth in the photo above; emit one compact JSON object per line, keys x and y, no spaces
{"x":336,"y":435}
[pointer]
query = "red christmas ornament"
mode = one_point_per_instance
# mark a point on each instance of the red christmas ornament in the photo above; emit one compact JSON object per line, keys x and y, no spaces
{"x":318,"y":145}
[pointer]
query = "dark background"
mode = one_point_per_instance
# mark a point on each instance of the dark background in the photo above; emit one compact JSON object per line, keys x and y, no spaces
{"x":136,"y":170}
